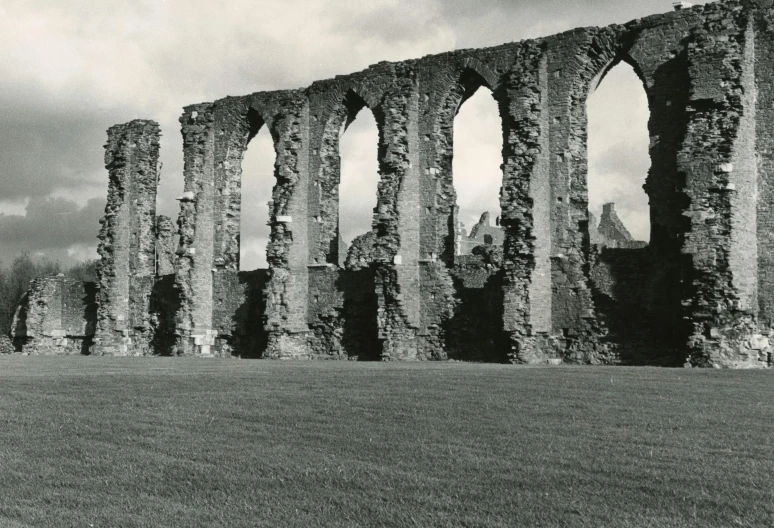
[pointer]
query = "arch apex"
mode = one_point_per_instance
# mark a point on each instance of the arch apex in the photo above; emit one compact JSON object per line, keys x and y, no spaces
{"x":490,"y":78}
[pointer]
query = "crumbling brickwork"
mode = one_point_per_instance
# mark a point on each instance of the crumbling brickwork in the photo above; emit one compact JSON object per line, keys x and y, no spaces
{"x":611,"y":232}
{"x":483,"y":233}
{"x":560,"y":288}
{"x":128,"y":240}
{"x":166,"y":246}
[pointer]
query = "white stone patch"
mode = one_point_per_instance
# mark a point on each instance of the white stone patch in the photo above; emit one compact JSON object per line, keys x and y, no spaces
{"x":759,"y":342}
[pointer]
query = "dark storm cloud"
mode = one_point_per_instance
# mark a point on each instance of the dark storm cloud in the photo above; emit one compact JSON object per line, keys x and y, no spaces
{"x":56,"y":228}
{"x":45,"y":147}
{"x":53,"y":223}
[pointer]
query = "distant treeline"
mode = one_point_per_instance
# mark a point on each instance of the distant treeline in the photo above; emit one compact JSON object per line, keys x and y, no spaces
{"x":15,"y":280}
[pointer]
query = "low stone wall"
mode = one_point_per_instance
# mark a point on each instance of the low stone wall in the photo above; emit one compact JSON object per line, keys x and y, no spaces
{"x":474,"y":332}
{"x":56,"y":316}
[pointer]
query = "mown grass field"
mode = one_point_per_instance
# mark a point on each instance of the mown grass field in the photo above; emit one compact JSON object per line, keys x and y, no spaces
{"x":102,"y":442}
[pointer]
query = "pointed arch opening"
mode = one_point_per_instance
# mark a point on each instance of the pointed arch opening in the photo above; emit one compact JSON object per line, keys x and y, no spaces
{"x":633,"y":275}
{"x":477,"y":169}
{"x":468,"y":195}
{"x":359,"y":174}
{"x":618,"y":159}
{"x":257,"y":184}
{"x":343,"y":195}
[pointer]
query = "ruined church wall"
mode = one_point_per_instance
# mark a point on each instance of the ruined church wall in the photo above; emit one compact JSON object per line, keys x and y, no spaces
{"x":342,"y":302}
{"x":551,"y":296}
{"x":239,"y":311}
{"x":541,"y":88}
{"x":577,"y":61}
{"x":215,"y":138}
{"x":342,"y":314}
{"x":446,"y":82}
{"x":475,"y":331}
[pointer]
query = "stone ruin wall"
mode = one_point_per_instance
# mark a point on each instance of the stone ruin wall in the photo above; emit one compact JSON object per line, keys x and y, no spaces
{"x":127,"y":245}
{"x":57,"y":316}
{"x":700,"y":293}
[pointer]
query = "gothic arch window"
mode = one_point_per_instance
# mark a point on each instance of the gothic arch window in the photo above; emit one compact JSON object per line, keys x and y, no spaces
{"x":359,"y":177}
{"x":618,"y":156}
{"x":477,"y":159}
{"x":257,"y":185}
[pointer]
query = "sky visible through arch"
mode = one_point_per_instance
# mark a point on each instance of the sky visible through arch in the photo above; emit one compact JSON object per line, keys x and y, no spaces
{"x":359,"y":150}
{"x":257,"y":183}
{"x":70,"y":70}
{"x":476,"y":166}
{"x":618,"y":149}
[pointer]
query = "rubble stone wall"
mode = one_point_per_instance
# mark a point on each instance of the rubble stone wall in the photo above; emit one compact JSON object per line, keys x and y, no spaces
{"x":719,"y":162}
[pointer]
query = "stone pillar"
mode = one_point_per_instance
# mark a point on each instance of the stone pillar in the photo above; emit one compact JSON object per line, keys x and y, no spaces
{"x":764,"y":113}
{"x":288,"y":281}
{"x":397,"y":219}
{"x":196,"y":222}
{"x":127,"y":240}
{"x":525,"y":202}
{"x":719,"y":161}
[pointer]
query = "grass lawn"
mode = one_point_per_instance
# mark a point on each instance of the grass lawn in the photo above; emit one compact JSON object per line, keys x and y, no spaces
{"x":104,"y":442}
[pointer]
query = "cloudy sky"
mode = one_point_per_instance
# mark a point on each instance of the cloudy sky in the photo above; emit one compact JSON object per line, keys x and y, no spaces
{"x":70,"y":69}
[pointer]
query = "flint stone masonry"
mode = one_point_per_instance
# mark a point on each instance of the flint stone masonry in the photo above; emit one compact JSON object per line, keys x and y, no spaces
{"x":558,"y":290}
